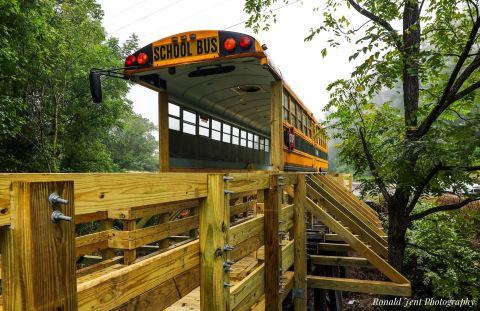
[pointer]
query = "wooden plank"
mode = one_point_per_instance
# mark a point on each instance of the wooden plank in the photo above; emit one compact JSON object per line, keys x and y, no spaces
{"x":246,"y":230}
{"x":273,"y":199}
{"x":165,"y":294}
{"x":129,"y":255}
{"x":250,"y":287}
{"x":101,"y":192}
{"x":112,"y":290}
{"x":84,"y":218}
{"x":276,"y":136}
{"x":357,"y":244}
{"x":163,"y":135}
{"x":247,"y":247}
{"x":136,"y":238}
{"x":90,"y":243}
{"x":339,"y":261}
{"x":136,"y":212}
{"x":288,"y":251}
{"x":349,"y":199}
{"x":299,"y":236}
{"x":286,"y":217}
{"x":99,"y":266}
{"x":248,"y":182}
{"x":333,"y":237}
{"x":214,"y":223}
{"x":29,"y":246}
{"x":357,"y":226}
{"x":359,"y":286}
{"x":242,"y":207}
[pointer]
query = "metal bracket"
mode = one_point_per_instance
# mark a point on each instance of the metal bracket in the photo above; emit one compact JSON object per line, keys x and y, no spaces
{"x":228,"y":191}
{"x":298,"y":293}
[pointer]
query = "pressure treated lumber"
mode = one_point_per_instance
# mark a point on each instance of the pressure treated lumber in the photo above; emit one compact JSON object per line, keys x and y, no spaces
{"x":273,"y":199}
{"x":101,"y":192}
{"x":38,"y":256}
{"x":136,"y":212}
{"x":360,"y":286}
{"x":299,"y":234}
{"x":339,"y":261}
{"x":163,"y":131}
{"x":357,"y":244}
{"x":214,"y":223}
{"x":90,"y":243}
{"x":276,"y":138}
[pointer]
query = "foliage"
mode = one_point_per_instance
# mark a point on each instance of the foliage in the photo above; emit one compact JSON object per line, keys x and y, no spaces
{"x":46,"y":114}
{"x":440,"y":247}
{"x":429,"y":139}
{"x":133,"y":145}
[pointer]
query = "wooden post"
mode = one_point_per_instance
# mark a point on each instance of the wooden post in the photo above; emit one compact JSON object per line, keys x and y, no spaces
{"x":129,"y":255}
{"x":38,"y":256}
{"x":276,"y":122}
{"x":214,"y":217}
{"x":107,"y":224}
{"x":163,"y":219}
{"x":273,"y":199}
{"x":163,"y":137}
{"x":299,"y":232}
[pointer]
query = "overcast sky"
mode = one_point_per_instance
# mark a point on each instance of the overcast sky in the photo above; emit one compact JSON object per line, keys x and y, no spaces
{"x":300,"y":62}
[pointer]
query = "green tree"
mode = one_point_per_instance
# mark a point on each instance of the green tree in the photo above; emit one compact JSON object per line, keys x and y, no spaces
{"x":430,"y":143}
{"x":133,"y":146}
{"x":48,"y":122}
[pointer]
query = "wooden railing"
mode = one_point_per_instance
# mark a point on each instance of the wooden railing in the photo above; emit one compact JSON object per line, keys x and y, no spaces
{"x":146,"y":240}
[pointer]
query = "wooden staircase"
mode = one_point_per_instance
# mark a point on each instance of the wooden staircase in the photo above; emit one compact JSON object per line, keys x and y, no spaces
{"x":359,"y":228}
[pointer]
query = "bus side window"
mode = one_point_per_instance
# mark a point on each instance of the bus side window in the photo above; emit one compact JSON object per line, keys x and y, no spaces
{"x":250,"y":140}
{"x":216,"y":128}
{"x":262,"y":143}
{"x":235,"y":135}
{"x":292,"y":111}
{"x":243,"y":138}
{"x":255,"y":142}
{"x":267,"y":145}
{"x":173,"y":117}
{"x":189,"y":122}
{"x":204,"y":128}
{"x":286,"y":113}
{"x":226,"y":133}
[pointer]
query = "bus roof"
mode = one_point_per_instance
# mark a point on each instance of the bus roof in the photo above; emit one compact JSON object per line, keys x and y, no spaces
{"x":224,"y":74}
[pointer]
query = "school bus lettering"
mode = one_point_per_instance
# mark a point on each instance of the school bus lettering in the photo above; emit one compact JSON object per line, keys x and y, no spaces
{"x":171,"y":51}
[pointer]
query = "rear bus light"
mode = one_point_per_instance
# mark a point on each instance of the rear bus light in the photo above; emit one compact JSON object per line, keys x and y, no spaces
{"x":230,"y":44}
{"x":130,"y":60}
{"x":245,"y":42}
{"x":142,"y":58}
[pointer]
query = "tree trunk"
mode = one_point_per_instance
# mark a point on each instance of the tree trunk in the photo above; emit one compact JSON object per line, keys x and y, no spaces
{"x":397,"y":228}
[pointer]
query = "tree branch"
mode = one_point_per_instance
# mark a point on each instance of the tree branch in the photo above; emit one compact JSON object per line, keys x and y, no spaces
{"x":442,"y":208}
{"x":454,"y":83}
{"x":466,"y":91}
{"x":380,"y":21}
{"x":421,"y":188}
{"x":461,"y":168}
{"x":373,"y":167}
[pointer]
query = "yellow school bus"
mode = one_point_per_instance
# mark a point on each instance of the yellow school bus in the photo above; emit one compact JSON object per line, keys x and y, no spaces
{"x":225,"y":105}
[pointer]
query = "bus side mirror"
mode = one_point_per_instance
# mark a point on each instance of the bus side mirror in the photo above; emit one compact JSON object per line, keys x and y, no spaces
{"x":95,"y":87}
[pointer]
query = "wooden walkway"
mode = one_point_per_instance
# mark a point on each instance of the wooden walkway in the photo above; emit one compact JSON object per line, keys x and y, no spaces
{"x":180,"y":240}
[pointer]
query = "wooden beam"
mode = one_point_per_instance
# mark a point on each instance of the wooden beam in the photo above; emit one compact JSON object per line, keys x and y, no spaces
{"x":248,"y":290}
{"x":299,"y":235}
{"x":129,"y":255}
{"x":118,"y":287}
{"x":349,"y":219}
{"x":95,"y":216}
{"x":165,"y":294}
{"x":90,"y":243}
{"x":99,"y":266}
{"x":214,"y":223}
{"x":136,"y":238}
{"x":163,"y":135}
{"x":36,"y":253}
{"x":276,"y":136}
{"x":102,"y":192}
{"x":334,"y":247}
{"x":357,"y":244}
{"x":339,"y":261}
{"x":136,"y":212}
{"x":248,"y":182}
{"x":359,"y":286}
{"x":273,"y":199}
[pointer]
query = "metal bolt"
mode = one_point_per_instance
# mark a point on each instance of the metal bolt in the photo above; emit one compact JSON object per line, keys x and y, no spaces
{"x":228,"y":191}
{"x":229,"y":262}
{"x":54,"y":199}
{"x":58,"y":216}
{"x":228,"y":248}
{"x":228,"y":178}
{"x":227,"y":284}
{"x":227,"y":270}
